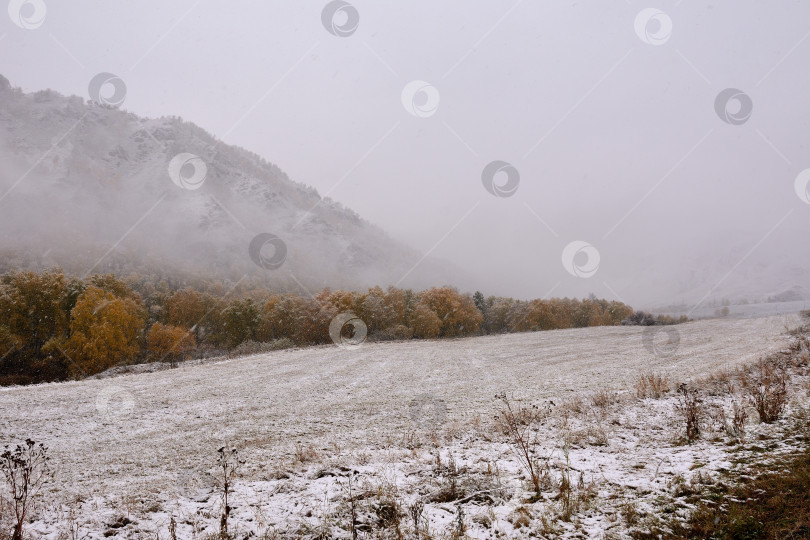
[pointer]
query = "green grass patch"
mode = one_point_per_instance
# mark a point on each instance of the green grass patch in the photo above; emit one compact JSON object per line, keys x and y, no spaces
{"x":773,"y":502}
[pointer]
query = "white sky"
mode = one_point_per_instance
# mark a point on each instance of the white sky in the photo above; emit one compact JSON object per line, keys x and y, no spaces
{"x":616,"y":140}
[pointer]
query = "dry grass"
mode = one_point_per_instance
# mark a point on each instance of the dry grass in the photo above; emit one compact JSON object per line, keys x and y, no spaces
{"x":588,"y":431}
{"x":733,"y":424}
{"x":379,"y":511}
{"x":767,"y":498}
{"x":573,"y":405}
{"x":720,"y":382}
{"x":629,"y":512}
{"x":574,"y":496}
{"x":304,"y":454}
{"x":801,"y":421}
{"x":520,"y":517}
{"x":651,"y":384}
{"x":594,"y":435}
{"x":603,"y":399}
{"x":767,"y":390}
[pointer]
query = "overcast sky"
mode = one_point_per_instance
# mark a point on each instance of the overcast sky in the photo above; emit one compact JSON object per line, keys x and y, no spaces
{"x":606,"y":111}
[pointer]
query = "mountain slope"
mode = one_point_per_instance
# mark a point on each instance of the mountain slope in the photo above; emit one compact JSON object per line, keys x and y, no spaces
{"x":88,"y":188}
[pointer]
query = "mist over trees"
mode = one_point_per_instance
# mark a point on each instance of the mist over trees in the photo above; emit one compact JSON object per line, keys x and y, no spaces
{"x":74,"y":206}
{"x":54,"y":326}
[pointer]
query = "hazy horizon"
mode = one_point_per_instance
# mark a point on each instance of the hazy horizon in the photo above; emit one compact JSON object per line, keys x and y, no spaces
{"x":618,"y":142}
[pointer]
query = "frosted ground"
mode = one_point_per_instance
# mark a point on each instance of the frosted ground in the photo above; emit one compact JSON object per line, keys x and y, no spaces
{"x":741,"y":311}
{"x":138,"y":446}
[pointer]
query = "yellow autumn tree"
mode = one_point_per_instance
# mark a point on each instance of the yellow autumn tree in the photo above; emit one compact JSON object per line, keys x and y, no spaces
{"x":113,"y":285}
{"x":375,"y":310}
{"x":169,"y":343}
{"x":188,"y":309}
{"x":425,"y":323}
{"x":33,"y":307}
{"x":563,"y":309}
{"x":104,"y":330}
{"x":303,"y":320}
{"x":340,"y":300}
{"x":395,"y":301}
{"x":457,"y":312}
{"x":539,"y":316}
{"x":618,"y":311}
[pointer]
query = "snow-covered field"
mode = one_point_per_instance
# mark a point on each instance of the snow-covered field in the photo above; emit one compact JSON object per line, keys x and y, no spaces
{"x":140,"y":445}
{"x":740,"y":311}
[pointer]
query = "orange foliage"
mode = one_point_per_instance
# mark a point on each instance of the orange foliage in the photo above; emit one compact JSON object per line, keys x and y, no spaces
{"x":301,"y":319}
{"x":425,"y":322}
{"x":49,"y":322}
{"x":457,"y":313}
{"x":167,"y":342}
{"x":104,"y":330}
{"x":186,"y":309}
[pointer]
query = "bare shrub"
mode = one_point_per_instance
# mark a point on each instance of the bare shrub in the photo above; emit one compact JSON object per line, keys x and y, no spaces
{"x":736,"y":426}
{"x":651,"y":384}
{"x":767,"y":390}
{"x":519,"y":423}
{"x":228,"y":463}
{"x":460,"y":528}
{"x":416,"y":511}
{"x":690,"y":407}
{"x":25,"y":469}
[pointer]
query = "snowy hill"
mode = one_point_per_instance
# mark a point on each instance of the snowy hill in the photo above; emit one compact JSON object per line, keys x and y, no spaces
{"x":89,"y":188}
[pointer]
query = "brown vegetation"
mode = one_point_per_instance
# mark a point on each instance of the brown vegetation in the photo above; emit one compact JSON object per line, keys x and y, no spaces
{"x":519,"y":424}
{"x":767,"y":389}
{"x":690,"y":407}
{"x":53,"y":326}
{"x":651,"y":385}
{"x":25,"y":470}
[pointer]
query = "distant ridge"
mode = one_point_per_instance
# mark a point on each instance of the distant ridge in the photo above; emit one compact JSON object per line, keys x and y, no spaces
{"x":87,"y":187}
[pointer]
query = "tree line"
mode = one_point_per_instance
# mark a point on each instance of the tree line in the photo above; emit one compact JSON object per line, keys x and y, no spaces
{"x":54,"y":326}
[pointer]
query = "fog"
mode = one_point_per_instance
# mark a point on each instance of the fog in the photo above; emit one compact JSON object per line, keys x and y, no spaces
{"x":613,"y":125}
